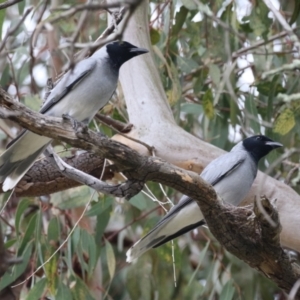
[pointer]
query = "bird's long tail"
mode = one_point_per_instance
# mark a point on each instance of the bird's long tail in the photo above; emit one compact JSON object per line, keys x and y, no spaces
{"x":19,"y":157}
{"x":174,"y":224}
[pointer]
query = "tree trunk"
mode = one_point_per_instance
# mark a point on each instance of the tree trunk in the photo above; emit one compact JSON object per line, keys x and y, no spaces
{"x":154,"y":124}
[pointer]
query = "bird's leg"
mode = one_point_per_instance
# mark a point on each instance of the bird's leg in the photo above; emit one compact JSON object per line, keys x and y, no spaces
{"x":75,"y":124}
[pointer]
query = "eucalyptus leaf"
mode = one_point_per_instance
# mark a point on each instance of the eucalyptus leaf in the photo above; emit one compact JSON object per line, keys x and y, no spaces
{"x":17,"y":270}
{"x":22,"y":206}
{"x":228,"y":291}
{"x":80,"y":290}
{"x":285,"y":122}
{"x":63,"y":292}
{"x":111,"y":259}
{"x":38,"y":290}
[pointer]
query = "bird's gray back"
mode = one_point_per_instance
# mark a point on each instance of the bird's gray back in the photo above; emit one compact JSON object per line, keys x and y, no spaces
{"x":85,"y":99}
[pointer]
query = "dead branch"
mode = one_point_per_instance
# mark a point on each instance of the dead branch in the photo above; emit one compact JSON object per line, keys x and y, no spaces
{"x":44,"y":179}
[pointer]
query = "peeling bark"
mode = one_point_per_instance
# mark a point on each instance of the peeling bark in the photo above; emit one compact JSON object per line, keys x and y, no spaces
{"x":44,"y":179}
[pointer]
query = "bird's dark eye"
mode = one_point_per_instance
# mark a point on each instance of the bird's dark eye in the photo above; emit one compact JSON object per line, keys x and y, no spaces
{"x":258,"y":138}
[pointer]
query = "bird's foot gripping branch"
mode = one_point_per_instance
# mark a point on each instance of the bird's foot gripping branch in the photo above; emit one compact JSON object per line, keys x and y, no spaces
{"x":78,"y":126}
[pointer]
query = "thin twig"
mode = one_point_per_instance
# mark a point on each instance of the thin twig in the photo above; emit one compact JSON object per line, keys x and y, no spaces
{"x":258,"y":44}
{"x":69,"y":12}
{"x":11,"y":31}
{"x":283,"y":23}
{"x":116,"y":125}
{"x":13,"y":74}
{"x":79,"y":27}
{"x":9,"y":3}
{"x":205,"y":10}
{"x":117,"y":18}
{"x":33,"y":84}
{"x":290,"y":174}
{"x":148,"y":147}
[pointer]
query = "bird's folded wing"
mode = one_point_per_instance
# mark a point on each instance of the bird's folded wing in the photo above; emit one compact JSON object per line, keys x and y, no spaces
{"x":70,"y":80}
{"x":221,"y":167}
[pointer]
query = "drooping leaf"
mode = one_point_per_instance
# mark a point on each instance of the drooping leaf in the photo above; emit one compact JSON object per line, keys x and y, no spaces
{"x":111,"y":259}
{"x":141,"y":202}
{"x":285,"y":122}
{"x":29,"y":233}
{"x":154,"y":36}
{"x":88,"y":245}
{"x":37,"y":291}
{"x":63,"y":292}
{"x":234,"y":112}
{"x":186,"y":64}
{"x":296,"y":12}
{"x":100,"y":207}
{"x":179,"y":20}
{"x":191,"y":108}
{"x":21,"y":6}
{"x":141,"y":288}
{"x":22,"y":206}
{"x":252,"y":113}
{"x":200,"y":260}
{"x":174,"y":93}
{"x":207,"y":103}
{"x":102,"y":221}
{"x":50,"y":268}
{"x":18,"y":269}
{"x":189,"y":4}
{"x":215,"y":74}
{"x":80,"y":290}
{"x":267,"y":87}
{"x":228,"y":291}
{"x":260,"y":21}
{"x":54,"y":229}
{"x":75,"y":198}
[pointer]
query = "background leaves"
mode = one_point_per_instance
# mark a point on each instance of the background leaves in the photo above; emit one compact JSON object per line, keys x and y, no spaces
{"x":224,"y":74}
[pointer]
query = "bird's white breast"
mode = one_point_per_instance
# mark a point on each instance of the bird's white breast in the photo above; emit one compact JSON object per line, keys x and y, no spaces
{"x":236,"y":185}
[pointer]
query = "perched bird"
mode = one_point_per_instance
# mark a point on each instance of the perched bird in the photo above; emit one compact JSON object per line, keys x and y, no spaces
{"x":231,"y":175}
{"x":80,"y":94}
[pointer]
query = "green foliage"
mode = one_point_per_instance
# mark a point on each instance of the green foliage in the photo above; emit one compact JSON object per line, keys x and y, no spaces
{"x":8,"y":278}
{"x":259,"y":19}
{"x":285,"y":122}
{"x":224,"y":79}
{"x":38,"y":290}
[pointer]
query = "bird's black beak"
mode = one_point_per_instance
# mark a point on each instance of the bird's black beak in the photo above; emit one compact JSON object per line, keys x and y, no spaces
{"x":274,"y":145}
{"x":138,"y":51}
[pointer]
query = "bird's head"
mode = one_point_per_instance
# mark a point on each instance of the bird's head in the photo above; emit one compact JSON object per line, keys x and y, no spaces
{"x":259,"y":146}
{"x":120,"y":51}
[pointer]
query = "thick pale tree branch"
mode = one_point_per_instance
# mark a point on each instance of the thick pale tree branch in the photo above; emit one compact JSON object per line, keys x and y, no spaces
{"x":242,"y":232}
{"x":154,"y":124}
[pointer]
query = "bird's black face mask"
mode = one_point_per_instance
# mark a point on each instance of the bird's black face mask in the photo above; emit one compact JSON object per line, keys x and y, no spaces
{"x":120,"y":52}
{"x":259,"y":146}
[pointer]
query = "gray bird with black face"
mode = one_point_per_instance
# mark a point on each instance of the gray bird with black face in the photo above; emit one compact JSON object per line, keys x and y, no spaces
{"x":232,"y":175}
{"x":80,"y":94}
